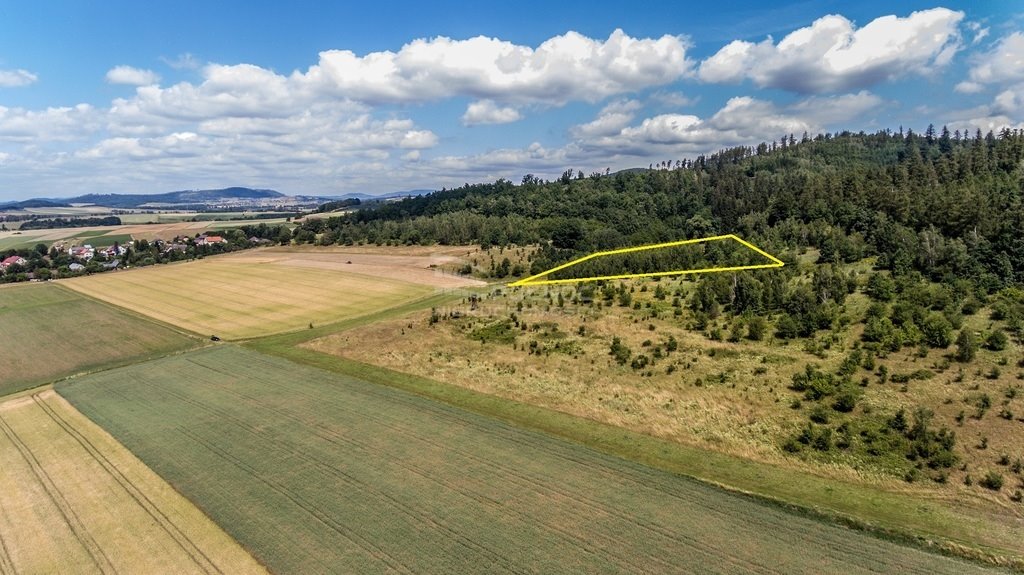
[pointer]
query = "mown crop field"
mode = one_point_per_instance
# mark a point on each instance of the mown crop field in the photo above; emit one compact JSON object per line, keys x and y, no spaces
{"x":47,"y":332}
{"x":238,"y":297}
{"x":317,"y":472}
{"x":76,"y":501}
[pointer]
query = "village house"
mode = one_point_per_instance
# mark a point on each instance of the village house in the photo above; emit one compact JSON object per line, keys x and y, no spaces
{"x":114,"y":251}
{"x":205,"y":240}
{"x":11,"y":261}
{"x":174,"y":247}
{"x":85,"y":252}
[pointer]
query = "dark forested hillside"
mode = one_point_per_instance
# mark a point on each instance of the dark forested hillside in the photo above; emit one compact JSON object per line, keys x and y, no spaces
{"x":948,"y":205}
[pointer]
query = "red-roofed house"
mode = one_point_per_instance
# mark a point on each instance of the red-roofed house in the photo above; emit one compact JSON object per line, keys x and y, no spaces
{"x":85,"y":252}
{"x":206,"y":240}
{"x":13,"y":260}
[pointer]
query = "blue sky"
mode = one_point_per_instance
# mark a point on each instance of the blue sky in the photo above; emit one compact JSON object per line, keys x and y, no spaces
{"x":336,"y":97}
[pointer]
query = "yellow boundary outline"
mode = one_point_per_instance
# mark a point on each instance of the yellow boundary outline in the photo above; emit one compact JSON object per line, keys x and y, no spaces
{"x":534,"y":279}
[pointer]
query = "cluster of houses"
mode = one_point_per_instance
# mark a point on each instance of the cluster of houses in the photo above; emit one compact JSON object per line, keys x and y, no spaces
{"x":85,"y":253}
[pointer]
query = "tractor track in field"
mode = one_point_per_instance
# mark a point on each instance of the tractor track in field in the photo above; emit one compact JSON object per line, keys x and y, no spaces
{"x":202,"y":561}
{"x":6,"y":563}
{"x":312,"y":510}
{"x":71,"y":519}
{"x":348,"y":478}
{"x":548,"y":489}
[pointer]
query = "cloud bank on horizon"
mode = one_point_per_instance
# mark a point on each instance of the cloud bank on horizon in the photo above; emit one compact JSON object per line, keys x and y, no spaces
{"x":442,"y":111}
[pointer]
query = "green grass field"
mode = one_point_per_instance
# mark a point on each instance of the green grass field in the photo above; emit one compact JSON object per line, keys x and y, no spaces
{"x":20,"y":241}
{"x":48,"y":332}
{"x":109,"y":239}
{"x":316,"y":472}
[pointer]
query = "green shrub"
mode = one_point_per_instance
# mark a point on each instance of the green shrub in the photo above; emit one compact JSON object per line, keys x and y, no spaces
{"x":966,"y":347}
{"x":997,"y":340}
{"x":992,"y":480}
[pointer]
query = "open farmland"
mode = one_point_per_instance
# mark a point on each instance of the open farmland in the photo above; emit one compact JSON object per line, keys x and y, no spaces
{"x":258,"y":293}
{"x":47,"y":332}
{"x":316,"y":472}
{"x":76,"y":501}
{"x":107,"y":235}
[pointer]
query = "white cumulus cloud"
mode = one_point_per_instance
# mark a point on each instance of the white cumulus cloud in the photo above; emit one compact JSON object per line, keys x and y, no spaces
{"x":487,"y":112}
{"x":610,"y":120}
{"x":16,"y":78}
{"x":132,"y":76}
{"x":741,"y":121}
{"x":1003,"y":64}
{"x":1002,"y":67}
{"x":832,"y":55}
{"x":561,"y":69}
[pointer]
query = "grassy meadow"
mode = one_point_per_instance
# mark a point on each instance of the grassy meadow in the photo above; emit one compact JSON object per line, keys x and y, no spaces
{"x":316,"y":472}
{"x":238,"y":296}
{"x":48,"y":332}
{"x":76,"y":501}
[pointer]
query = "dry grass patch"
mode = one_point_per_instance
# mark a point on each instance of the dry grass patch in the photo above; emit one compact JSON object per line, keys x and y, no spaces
{"x":75,"y":500}
{"x":732,"y":397}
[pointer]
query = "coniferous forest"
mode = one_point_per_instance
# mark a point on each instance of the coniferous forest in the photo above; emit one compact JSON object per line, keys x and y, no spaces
{"x":945,"y":204}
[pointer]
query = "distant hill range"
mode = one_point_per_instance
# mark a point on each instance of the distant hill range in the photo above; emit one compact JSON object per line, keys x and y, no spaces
{"x":34,"y":203}
{"x":364,"y":197}
{"x":232,"y":195}
{"x":181,"y":197}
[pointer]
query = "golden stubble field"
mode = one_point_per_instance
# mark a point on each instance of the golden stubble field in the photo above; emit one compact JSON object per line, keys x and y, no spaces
{"x":261,"y":292}
{"x":76,"y":501}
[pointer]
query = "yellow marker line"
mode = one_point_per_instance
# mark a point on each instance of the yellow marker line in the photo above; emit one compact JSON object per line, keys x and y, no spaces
{"x":535,"y":279}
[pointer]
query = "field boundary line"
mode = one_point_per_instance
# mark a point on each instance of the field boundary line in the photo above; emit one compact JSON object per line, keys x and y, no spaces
{"x":151,"y":509}
{"x":302,"y":335}
{"x":128,"y":362}
{"x":72,"y":520}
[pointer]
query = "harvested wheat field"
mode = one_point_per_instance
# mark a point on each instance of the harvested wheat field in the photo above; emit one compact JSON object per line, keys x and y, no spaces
{"x":262,"y":292}
{"x":76,"y":501}
{"x":427,"y":265}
